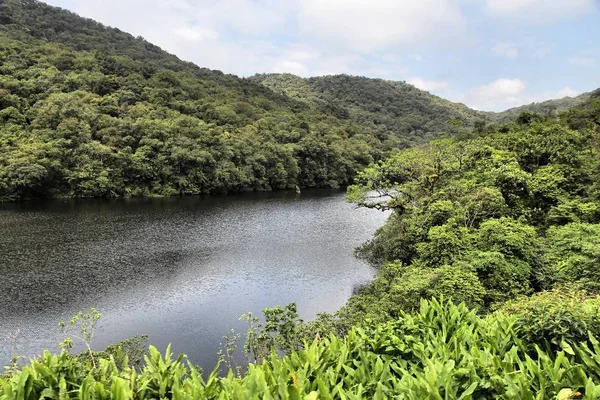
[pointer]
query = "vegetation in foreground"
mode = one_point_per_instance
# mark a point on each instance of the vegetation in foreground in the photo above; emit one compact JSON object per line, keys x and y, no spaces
{"x":442,"y":351}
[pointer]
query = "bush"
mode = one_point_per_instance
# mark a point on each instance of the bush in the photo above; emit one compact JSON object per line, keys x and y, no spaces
{"x":554,"y":318}
{"x":443,"y":351}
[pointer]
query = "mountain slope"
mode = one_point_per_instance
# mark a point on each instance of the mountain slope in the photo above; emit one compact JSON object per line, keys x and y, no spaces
{"x":398,"y":108}
{"x":88,"y":111}
{"x":387,"y":107}
{"x":543,"y":108}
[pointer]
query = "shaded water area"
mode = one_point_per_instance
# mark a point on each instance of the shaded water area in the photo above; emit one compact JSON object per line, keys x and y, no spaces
{"x":180,"y":270}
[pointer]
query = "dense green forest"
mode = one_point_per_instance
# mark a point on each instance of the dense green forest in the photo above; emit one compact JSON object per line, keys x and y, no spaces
{"x":385,"y":107}
{"x":546,"y":108}
{"x":485,"y":219}
{"x":398,"y":108}
{"x":89,"y":111}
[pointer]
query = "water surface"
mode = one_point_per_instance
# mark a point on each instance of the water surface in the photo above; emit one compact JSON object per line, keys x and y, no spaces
{"x":180,"y":270}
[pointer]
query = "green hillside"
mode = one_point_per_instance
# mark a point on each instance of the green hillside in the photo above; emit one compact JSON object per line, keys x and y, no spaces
{"x":400,"y":109}
{"x":543,"y":108}
{"x":388,"y":108}
{"x":90,"y":111}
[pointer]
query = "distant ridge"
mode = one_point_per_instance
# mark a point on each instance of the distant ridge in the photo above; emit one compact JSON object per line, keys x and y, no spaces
{"x":387,"y":106}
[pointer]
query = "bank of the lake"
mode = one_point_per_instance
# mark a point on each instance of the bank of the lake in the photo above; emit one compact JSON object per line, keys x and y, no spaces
{"x":178,"y":269}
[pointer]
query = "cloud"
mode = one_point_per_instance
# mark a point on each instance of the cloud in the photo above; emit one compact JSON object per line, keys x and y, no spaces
{"x":538,"y":11}
{"x":374,"y":38}
{"x":366,"y":25}
{"x":195,"y":34}
{"x":582,"y":61}
{"x":428,"y":85}
{"x":295,"y":60}
{"x":506,"y":50}
{"x":501,"y":93}
{"x":565,"y":92}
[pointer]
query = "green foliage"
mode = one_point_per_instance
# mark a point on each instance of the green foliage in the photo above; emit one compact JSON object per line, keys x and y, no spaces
{"x":518,"y":208}
{"x":89,"y":111}
{"x":556,"y":318}
{"x":396,"y":111}
{"x":283,"y":331}
{"x":442,"y":351}
{"x":540,"y":111}
{"x":398,"y":288}
{"x":574,"y":254}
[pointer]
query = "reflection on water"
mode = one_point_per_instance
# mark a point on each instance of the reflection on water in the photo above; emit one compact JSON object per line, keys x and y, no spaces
{"x":178,"y":269}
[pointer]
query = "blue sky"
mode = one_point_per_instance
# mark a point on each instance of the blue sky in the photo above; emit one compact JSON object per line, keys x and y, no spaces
{"x":488,"y":54}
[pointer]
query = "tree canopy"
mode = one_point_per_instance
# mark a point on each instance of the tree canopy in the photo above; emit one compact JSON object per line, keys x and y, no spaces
{"x":485,"y":219}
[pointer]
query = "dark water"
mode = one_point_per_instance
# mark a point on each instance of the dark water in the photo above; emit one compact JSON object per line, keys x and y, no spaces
{"x":178,"y":269}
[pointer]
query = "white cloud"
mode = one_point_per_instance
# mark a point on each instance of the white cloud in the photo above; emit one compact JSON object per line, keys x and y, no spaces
{"x":583,"y":61}
{"x":228,"y":35}
{"x":290,"y":66}
{"x":247,"y":16}
{"x":373,"y":38}
{"x":295,"y":60}
{"x":565,"y":92}
{"x":538,"y":11}
{"x":194,"y":34}
{"x":506,"y":50}
{"x":366,"y":25}
{"x":501,"y":93}
{"x":428,"y":85}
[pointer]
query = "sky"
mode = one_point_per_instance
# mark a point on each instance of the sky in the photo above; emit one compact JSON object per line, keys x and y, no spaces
{"x":488,"y":54}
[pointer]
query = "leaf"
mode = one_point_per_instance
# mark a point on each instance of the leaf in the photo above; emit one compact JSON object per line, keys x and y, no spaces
{"x":567,"y":348}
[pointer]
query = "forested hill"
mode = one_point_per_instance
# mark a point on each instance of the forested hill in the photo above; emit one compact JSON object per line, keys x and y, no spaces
{"x":386,"y":107}
{"x":390,"y":107}
{"x":90,"y":111}
{"x":544,"y":107}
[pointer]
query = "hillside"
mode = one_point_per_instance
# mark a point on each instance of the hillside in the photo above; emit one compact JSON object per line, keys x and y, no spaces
{"x":90,"y":111}
{"x":389,"y":108}
{"x":545,"y":107}
{"x":398,"y":108}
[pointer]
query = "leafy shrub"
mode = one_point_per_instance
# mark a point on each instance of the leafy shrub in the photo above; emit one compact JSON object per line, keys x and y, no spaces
{"x":443,"y":351}
{"x":554,"y":318}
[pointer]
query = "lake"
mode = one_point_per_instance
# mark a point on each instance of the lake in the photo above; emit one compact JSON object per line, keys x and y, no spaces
{"x":180,"y":270}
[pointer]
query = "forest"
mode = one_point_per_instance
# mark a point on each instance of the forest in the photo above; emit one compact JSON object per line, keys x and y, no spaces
{"x":488,"y":268}
{"x":123,"y":118}
{"x":126,"y":119}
